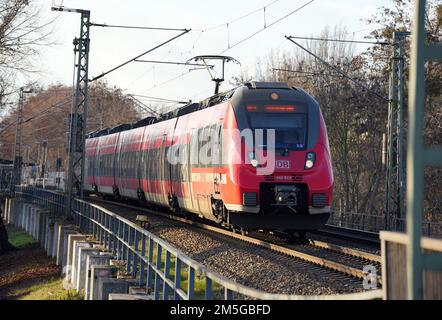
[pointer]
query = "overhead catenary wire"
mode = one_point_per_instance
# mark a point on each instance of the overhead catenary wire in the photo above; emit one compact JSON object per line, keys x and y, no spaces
{"x":155,"y":98}
{"x":241,"y":17}
{"x":140,"y":55}
{"x":294,"y":71}
{"x":268,"y":26}
{"x":309,"y":73}
{"x":228,"y":24}
{"x":236,"y":44}
{"x":143,"y":106}
{"x":345,"y":75}
{"x":343,"y":40}
{"x":174,"y":63}
{"x":134,"y":27}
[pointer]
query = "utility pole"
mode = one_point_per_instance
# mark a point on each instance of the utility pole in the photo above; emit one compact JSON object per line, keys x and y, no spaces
{"x":395,"y":195}
{"x":78,"y":117}
{"x":18,"y":160}
{"x":42,"y":161}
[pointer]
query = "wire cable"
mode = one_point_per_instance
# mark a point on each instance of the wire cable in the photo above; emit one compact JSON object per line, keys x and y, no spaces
{"x":337,"y":70}
{"x":134,"y":27}
{"x":140,"y":55}
{"x":343,"y":40}
{"x":268,"y":26}
{"x":241,"y":17}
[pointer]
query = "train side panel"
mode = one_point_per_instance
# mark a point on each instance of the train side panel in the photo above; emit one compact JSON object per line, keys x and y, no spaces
{"x":90,"y":164}
{"x":105,"y":164}
{"x":196,"y":179}
{"x":127,"y":163}
{"x":154,"y":169}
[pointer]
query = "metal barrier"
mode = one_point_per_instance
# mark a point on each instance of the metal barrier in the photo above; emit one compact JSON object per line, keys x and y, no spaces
{"x":376,"y":223}
{"x":166,"y":271}
{"x":394,"y":267}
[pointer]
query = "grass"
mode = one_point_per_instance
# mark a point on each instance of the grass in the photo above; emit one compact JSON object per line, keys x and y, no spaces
{"x":19,"y":238}
{"x":28,"y":274}
{"x":52,"y":289}
{"x":49,"y":290}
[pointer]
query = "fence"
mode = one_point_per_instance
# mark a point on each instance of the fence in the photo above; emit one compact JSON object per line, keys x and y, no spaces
{"x":374,"y":223}
{"x":166,"y":271}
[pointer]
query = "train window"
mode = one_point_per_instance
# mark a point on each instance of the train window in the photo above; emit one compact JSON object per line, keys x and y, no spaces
{"x":131,"y":164}
{"x":193,"y":154}
{"x":134,"y":163}
{"x":216,"y":145}
{"x":210,"y":141}
{"x":127,"y":173}
{"x":151,"y":161}
{"x":290,"y":129}
{"x":149,"y":164}
{"x":108,"y":165}
{"x":202,"y":148}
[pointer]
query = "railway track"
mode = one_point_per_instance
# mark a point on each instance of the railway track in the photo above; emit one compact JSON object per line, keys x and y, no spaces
{"x":334,"y":257}
{"x":366,"y":237}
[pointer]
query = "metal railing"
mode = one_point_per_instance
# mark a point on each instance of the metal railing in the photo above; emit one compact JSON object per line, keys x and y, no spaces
{"x":166,"y":272}
{"x":376,"y":223}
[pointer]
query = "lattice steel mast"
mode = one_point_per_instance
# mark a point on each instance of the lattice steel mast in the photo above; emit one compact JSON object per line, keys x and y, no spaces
{"x":18,"y":159}
{"x":395,"y":195}
{"x":78,"y":117}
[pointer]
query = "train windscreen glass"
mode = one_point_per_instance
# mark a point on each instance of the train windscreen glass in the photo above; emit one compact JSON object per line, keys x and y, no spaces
{"x":290,"y":128}
{"x":289,"y":122}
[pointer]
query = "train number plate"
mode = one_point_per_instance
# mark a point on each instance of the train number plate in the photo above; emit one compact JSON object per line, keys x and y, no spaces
{"x":283,"y":164}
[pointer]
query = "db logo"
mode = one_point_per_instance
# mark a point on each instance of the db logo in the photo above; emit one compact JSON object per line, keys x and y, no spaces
{"x":282,"y":164}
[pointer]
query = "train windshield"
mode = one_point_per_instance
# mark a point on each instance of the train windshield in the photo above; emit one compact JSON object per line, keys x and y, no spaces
{"x":290,"y":128}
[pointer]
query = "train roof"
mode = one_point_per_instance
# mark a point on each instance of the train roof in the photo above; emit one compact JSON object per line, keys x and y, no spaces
{"x":253,"y":89}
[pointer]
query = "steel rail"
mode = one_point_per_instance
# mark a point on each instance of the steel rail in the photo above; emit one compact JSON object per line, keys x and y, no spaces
{"x":353,"y":234}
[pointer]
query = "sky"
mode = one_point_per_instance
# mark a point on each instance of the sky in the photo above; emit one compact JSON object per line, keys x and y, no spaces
{"x":209,"y":35}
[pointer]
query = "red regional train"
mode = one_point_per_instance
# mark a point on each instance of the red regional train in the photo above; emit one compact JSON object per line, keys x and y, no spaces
{"x":214,"y":169}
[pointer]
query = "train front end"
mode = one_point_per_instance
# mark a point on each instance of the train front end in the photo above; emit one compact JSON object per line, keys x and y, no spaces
{"x":284,"y":179}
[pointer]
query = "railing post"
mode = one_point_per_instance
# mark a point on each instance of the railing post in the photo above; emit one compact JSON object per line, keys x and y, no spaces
{"x":208,"y":292}
{"x":177,"y":277}
{"x":228,"y":294}
{"x":166,"y":275}
{"x":114,"y":235}
{"x":130,"y":232}
{"x":100,"y":228}
{"x":157,"y":275}
{"x":149,"y":265}
{"x":119,"y":245}
{"x":191,"y":283}
{"x":142,"y":263}
{"x":135,"y":254}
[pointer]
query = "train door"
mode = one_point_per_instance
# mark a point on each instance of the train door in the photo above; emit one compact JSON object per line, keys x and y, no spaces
{"x":192,"y":162}
{"x":164,"y":170}
{"x":115,"y":164}
{"x":217,"y":158}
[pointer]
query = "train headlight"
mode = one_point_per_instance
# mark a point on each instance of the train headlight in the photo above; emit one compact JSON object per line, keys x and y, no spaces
{"x":310,"y":160}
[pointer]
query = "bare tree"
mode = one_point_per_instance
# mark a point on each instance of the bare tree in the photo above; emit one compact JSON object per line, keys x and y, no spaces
{"x":22,"y":34}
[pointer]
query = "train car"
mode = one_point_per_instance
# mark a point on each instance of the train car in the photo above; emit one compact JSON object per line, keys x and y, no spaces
{"x":256,"y":157}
